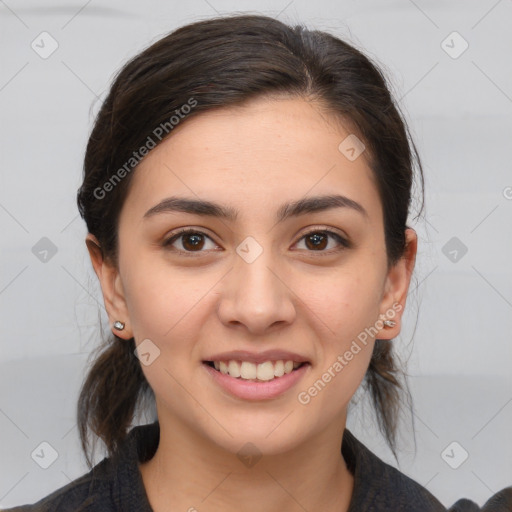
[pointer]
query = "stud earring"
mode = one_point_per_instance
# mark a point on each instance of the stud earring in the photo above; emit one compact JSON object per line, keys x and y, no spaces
{"x":118,"y":326}
{"x":389,"y":323}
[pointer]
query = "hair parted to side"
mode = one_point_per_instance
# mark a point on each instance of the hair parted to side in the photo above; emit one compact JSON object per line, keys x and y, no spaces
{"x":217,"y":63}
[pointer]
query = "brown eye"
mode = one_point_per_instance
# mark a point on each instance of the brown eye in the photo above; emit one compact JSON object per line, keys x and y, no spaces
{"x":319,"y":240}
{"x":193,"y":241}
{"x":316,"y":241}
{"x":190,"y":241}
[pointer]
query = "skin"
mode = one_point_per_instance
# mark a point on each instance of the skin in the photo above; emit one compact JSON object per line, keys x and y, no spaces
{"x":292,"y":297}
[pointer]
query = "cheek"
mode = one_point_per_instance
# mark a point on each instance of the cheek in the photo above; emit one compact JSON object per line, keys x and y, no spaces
{"x":345,"y":307}
{"x":345,"y":303}
{"x":160,"y":299}
{"x":343,"y":315}
{"x":165,"y":307}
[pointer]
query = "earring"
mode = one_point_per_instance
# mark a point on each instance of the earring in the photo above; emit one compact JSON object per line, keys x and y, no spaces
{"x":118,"y":326}
{"x":389,"y":323}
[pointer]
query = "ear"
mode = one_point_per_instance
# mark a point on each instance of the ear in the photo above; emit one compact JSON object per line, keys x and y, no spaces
{"x":397,"y":286}
{"x":111,"y":287}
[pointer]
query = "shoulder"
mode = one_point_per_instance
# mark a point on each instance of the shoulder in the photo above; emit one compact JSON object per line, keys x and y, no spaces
{"x":113,"y":484}
{"x":499,"y":502}
{"x":85,"y":494}
{"x":393,"y":490}
{"x":379,"y":486}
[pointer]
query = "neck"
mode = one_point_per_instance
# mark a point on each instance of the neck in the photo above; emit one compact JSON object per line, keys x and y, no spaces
{"x":187,"y":473}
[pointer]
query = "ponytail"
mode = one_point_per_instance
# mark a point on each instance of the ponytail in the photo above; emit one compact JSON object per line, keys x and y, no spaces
{"x":109,"y":395}
{"x":383,"y":383}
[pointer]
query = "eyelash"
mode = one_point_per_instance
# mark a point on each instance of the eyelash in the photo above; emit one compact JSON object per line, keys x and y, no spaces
{"x":345,"y":244}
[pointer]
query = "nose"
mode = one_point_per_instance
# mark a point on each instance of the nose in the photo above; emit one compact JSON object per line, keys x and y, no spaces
{"x":256,"y":297}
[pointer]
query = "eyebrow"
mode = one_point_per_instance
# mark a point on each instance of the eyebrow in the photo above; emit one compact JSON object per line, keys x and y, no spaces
{"x":286,"y":211}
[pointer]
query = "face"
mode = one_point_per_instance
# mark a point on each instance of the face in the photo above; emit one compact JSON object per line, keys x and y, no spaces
{"x":312,"y":282}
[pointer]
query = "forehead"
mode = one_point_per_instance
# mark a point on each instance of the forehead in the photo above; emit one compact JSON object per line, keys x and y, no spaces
{"x":254,"y":156}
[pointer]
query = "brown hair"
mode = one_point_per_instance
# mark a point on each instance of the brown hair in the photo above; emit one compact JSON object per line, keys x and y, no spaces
{"x":221,"y":62}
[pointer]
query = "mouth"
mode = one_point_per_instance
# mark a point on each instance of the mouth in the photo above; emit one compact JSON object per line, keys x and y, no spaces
{"x":251,"y":372}
{"x":255,"y":382}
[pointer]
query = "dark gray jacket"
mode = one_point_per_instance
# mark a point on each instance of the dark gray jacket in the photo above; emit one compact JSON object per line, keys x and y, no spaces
{"x":115,"y":484}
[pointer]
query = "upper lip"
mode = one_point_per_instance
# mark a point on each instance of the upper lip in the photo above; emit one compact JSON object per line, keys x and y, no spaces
{"x":258,"y":357}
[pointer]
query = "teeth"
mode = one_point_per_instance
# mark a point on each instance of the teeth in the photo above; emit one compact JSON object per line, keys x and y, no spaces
{"x":234,"y":369}
{"x":265,"y":371}
{"x":250,"y":371}
{"x":247,"y":370}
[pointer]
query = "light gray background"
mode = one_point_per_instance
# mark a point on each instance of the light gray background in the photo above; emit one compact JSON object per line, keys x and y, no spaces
{"x":460,"y":112}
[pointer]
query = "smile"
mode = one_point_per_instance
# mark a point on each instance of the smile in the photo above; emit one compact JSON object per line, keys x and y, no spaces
{"x":246,"y":382}
{"x":247,"y":370}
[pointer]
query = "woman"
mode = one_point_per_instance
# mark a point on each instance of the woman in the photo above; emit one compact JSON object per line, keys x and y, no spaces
{"x":246,"y":191}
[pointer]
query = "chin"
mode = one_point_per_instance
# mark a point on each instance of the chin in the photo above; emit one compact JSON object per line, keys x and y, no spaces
{"x":261,"y":439}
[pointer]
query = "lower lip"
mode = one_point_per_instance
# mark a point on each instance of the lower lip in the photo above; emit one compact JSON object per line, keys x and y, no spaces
{"x":252,"y":390}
